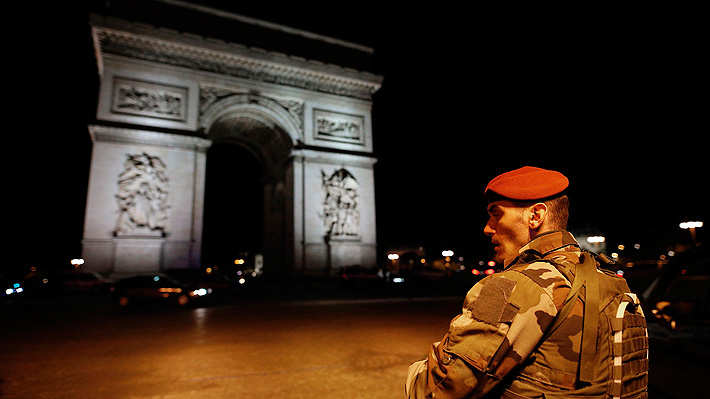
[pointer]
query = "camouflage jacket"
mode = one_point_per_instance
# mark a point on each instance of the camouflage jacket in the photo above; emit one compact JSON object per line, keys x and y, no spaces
{"x":503,"y":319}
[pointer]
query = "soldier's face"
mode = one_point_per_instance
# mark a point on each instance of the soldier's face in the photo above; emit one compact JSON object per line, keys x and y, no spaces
{"x":507,"y":229}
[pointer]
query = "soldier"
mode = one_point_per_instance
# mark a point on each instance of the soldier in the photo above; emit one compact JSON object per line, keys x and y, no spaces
{"x":503,"y":343}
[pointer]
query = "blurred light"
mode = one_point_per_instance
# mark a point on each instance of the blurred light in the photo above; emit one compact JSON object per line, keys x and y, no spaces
{"x":671,"y":253}
{"x":615,"y":255}
{"x":460,"y":258}
{"x":475,"y":272}
{"x":199,"y":292}
{"x":175,"y":290}
{"x":422,"y":260}
{"x":620,"y":273}
{"x":9,"y":291}
{"x":447,"y":252}
{"x":156,"y":278}
{"x":208,"y":270}
{"x":392,"y":256}
{"x":239,"y":261}
{"x":637,"y":246}
{"x":489,"y":272}
{"x":491,"y":263}
{"x":662,"y":257}
{"x":596,"y":239}
{"x":690,"y":225}
{"x":77,"y":262}
{"x":462,"y":267}
{"x":398,"y":280}
{"x":242,"y":280}
{"x":621,"y":247}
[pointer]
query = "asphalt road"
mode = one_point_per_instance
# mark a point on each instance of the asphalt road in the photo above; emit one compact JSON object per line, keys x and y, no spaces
{"x":326,"y":349}
{"x":245,"y":349}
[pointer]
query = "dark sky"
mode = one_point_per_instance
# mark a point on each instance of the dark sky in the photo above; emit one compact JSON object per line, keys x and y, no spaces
{"x":615,"y":99}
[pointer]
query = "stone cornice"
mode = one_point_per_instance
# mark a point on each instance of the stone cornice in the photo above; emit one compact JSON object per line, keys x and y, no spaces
{"x":305,"y":155}
{"x":148,"y":43}
{"x":108,"y":134}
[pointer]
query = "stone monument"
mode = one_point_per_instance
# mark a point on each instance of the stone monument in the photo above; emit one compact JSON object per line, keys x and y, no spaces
{"x":166,"y":96}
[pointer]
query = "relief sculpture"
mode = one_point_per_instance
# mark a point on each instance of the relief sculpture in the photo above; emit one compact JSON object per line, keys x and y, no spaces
{"x":142,"y":196}
{"x":335,"y":126}
{"x":149,"y":99}
{"x":341,"y":215}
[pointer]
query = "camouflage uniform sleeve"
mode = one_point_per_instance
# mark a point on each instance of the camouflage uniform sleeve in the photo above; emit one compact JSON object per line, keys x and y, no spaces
{"x":503,"y":318}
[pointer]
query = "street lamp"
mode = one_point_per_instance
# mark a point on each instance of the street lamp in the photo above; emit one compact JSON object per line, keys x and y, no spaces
{"x":447,"y":254}
{"x":691,"y":226}
{"x":77,"y":263}
{"x":596,"y":239}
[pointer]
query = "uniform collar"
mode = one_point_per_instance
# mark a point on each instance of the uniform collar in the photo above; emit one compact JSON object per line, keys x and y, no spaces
{"x":543,"y":244}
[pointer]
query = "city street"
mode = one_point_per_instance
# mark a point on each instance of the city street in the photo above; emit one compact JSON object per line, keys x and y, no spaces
{"x":327,"y":349}
{"x":338,"y":348}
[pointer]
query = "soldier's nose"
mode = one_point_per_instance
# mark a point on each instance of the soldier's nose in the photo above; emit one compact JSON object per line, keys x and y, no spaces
{"x":488,"y":231}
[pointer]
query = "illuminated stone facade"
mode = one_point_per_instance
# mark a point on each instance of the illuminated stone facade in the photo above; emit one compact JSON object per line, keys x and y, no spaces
{"x":165,"y":97}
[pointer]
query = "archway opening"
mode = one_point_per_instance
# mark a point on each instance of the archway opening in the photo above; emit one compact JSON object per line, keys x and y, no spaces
{"x":233,"y":207}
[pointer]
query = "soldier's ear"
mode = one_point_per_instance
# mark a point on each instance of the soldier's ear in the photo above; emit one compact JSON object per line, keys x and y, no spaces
{"x":537,"y":215}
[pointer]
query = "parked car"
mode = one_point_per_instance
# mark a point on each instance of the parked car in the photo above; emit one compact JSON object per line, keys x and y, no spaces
{"x":680,"y":296}
{"x":155,"y":287}
{"x":217,"y":283}
{"x":81,"y":282}
{"x":349,"y":276}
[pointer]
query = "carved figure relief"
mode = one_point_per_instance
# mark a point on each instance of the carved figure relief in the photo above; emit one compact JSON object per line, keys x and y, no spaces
{"x":142,"y":196}
{"x":149,"y":99}
{"x":210,"y":95}
{"x":334,"y":126}
{"x":341,"y":215}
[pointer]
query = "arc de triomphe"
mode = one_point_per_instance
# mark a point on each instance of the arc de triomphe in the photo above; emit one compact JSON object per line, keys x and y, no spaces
{"x":165,"y":97}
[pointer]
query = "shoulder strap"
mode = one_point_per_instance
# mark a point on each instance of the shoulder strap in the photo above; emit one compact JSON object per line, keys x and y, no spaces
{"x":587,"y":362}
{"x":586,"y":276}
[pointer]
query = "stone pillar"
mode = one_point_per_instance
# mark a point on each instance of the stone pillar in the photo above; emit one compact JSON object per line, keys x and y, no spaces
{"x":144,"y":190}
{"x":338,"y":211}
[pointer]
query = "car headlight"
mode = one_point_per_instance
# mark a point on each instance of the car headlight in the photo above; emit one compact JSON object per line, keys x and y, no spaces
{"x":16,"y":289}
{"x":198,"y":292}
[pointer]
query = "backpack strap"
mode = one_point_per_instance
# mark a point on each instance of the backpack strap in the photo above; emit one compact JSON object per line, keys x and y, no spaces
{"x":587,"y":271}
{"x":586,"y":276}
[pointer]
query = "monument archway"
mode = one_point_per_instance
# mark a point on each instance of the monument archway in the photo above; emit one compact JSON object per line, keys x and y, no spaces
{"x":233,"y":208}
{"x":254,"y":124}
{"x":166,"y":97}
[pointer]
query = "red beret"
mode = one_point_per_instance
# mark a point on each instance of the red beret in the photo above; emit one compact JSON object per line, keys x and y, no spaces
{"x":526,"y":184}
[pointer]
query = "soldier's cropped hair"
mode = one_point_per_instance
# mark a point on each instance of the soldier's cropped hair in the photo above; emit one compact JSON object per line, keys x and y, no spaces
{"x":557,"y":210}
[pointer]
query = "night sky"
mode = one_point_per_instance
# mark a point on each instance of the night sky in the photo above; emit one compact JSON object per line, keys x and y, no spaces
{"x":614,"y":99}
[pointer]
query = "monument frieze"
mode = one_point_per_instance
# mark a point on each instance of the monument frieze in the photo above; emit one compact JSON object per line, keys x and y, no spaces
{"x":309,"y":76}
{"x":136,"y":97}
